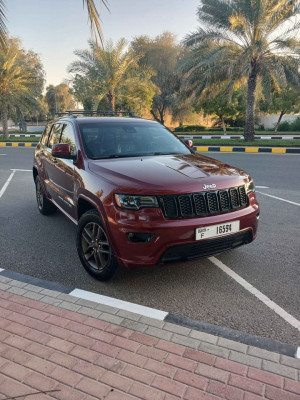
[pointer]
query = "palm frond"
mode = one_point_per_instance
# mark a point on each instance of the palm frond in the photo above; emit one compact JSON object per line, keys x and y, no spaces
{"x":94,"y":18}
{"x":3,"y":30}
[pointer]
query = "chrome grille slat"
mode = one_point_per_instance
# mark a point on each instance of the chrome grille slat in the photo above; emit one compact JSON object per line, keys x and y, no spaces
{"x":203,"y":203}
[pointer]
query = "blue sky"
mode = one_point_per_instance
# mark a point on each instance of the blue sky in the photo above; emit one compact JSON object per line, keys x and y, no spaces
{"x":55,"y":28}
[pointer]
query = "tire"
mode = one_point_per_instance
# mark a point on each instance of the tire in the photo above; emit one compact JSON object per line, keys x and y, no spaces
{"x":44,"y":205}
{"x":93,"y":247}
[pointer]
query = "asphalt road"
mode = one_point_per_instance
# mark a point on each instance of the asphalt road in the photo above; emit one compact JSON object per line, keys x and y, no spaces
{"x":44,"y":247}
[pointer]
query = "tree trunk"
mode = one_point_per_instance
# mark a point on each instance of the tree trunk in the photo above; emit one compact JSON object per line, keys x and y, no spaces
{"x":4,"y":122}
{"x":111,"y":102}
{"x":223,"y":125}
{"x":250,"y":109}
{"x":279,"y":120}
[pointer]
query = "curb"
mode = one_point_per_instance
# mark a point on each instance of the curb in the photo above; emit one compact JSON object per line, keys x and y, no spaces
{"x":241,"y":149}
{"x":263,"y":137}
{"x":159,"y":318}
{"x":18,"y":144}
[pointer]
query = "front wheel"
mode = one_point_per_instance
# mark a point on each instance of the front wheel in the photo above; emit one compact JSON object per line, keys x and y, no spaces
{"x":93,"y":247}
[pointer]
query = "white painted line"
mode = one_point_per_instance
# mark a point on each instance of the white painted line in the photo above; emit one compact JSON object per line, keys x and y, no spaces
{"x":268,"y":302}
{"x":262,"y":187}
{"x":22,"y":170}
{"x":6,"y":184}
{"x":298,"y":353}
{"x":2,"y":269}
{"x":2,"y":154}
{"x":279,"y":198}
{"x":122,"y":305}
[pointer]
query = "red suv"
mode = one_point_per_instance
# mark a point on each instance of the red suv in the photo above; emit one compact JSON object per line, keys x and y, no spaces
{"x":139,"y":195}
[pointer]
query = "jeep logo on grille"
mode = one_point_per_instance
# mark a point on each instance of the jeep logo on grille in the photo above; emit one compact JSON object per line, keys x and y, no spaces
{"x":212,"y":186}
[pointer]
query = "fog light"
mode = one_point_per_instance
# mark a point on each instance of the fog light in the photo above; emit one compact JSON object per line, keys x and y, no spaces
{"x":138,"y":237}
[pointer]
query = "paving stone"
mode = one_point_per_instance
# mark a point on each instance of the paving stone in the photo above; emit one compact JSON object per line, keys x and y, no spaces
{"x":203,"y":336}
{"x":17,"y":283}
{"x":89,"y":311}
{"x":215,"y":350}
{"x":136,"y":326}
{"x":67,"y":297}
{"x":129,"y":315}
{"x":4,"y":286}
{"x":159,"y":333}
{"x":233,"y":345}
{"x":113,"y":319}
{"x":51,"y":300}
{"x":265,"y":354}
{"x":86,"y":303}
{"x":69,"y":306}
{"x":33,"y":288}
{"x":245,"y":359}
{"x":4,"y":279}
{"x":16,"y":290}
{"x":185,"y":341}
{"x":33,"y":295}
{"x":279,"y":369}
{"x":181,"y":330}
{"x":151,"y":321}
{"x":290,"y":362}
{"x":107,"y":309}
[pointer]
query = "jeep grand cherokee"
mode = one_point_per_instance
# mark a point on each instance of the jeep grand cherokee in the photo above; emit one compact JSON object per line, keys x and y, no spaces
{"x":138,"y":195}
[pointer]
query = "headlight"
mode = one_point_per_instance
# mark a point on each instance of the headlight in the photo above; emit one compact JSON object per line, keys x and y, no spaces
{"x":250,"y":187}
{"x":131,"y":202}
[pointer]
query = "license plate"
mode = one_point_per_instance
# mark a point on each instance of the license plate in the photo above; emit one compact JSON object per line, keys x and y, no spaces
{"x":217,"y":230}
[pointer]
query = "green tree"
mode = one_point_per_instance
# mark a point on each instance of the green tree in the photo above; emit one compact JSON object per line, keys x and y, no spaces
{"x":109,"y":73}
{"x":161,"y":55}
{"x":284,"y":101}
{"x":21,"y":81}
{"x":252,"y":39}
{"x":59,"y":98}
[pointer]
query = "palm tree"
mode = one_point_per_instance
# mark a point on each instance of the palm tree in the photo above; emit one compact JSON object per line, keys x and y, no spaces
{"x":252,"y":40}
{"x":93,"y":17}
{"x":107,"y":70}
{"x":2,"y":24}
{"x":21,"y":81}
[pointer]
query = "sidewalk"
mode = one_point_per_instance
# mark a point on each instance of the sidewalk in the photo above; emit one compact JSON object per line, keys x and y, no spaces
{"x":54,"y":345}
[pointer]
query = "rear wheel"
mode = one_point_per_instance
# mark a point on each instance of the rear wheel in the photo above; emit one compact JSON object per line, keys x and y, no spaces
{"x":93,"y":247}
{"x":45,"y":206}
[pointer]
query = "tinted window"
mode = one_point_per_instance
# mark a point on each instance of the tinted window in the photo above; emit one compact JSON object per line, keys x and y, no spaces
{"x":44,"y":139}
{"x":55,"y":135}
{"x":68,"y":137}
{"x":129,"y":139}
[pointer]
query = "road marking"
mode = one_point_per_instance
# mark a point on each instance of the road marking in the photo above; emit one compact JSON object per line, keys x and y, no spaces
{"x":123,"y":305}
{"x":279,"y":198}
{"x":268,"y":302}
{"x":6,"y":184}
{"x":298,"y":353}
{"x":2,"y":269}
{"x":2,"y":154}
{"x":22,"y":170}
{"x":262,"y":187}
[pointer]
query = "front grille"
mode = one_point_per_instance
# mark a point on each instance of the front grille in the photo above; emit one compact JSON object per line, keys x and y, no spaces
{"x":204,"y":203}
{"x":206,"y":248}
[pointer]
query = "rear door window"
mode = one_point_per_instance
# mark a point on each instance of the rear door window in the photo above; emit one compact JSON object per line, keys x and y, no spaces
{"x":45,"y":136}
{"x":69,"y":137}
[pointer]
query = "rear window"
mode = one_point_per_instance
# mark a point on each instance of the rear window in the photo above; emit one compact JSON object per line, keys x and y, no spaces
{"x":109,"y":140}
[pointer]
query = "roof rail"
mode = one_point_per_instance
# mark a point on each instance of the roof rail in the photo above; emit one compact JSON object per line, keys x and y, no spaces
{"x":96,"y":113}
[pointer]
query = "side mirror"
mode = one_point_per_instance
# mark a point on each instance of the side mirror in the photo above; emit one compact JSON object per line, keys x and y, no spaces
{"x":62,"y":150}
{"x":189,"y":143}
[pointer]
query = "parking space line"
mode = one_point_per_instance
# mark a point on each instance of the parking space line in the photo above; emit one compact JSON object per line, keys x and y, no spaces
{"x":121,"y":304}
{"x":279,"y":198}
{"x":22,"y":170}
{"x":262,"y":187}
{"x":6,"y":184}
{"x":259,"y":295}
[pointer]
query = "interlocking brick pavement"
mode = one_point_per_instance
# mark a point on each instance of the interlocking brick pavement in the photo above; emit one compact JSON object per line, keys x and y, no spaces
{"x":68,"y":352}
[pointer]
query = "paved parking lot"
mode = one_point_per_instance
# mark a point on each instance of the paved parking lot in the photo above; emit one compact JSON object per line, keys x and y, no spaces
{"x":44,"y":247}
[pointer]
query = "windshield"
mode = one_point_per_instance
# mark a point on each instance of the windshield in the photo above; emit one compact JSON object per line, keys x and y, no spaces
{"x":129,"y":139}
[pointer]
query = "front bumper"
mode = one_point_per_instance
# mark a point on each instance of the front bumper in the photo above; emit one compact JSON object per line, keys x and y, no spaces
{"x":174,"y":240}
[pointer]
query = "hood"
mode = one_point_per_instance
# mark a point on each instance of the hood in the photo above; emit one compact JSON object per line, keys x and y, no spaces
{"x":167,"y":174}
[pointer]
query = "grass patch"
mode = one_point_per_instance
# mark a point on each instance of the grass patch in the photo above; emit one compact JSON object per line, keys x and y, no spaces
{"x":20,"y":139}
{"x":241,"y":142}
